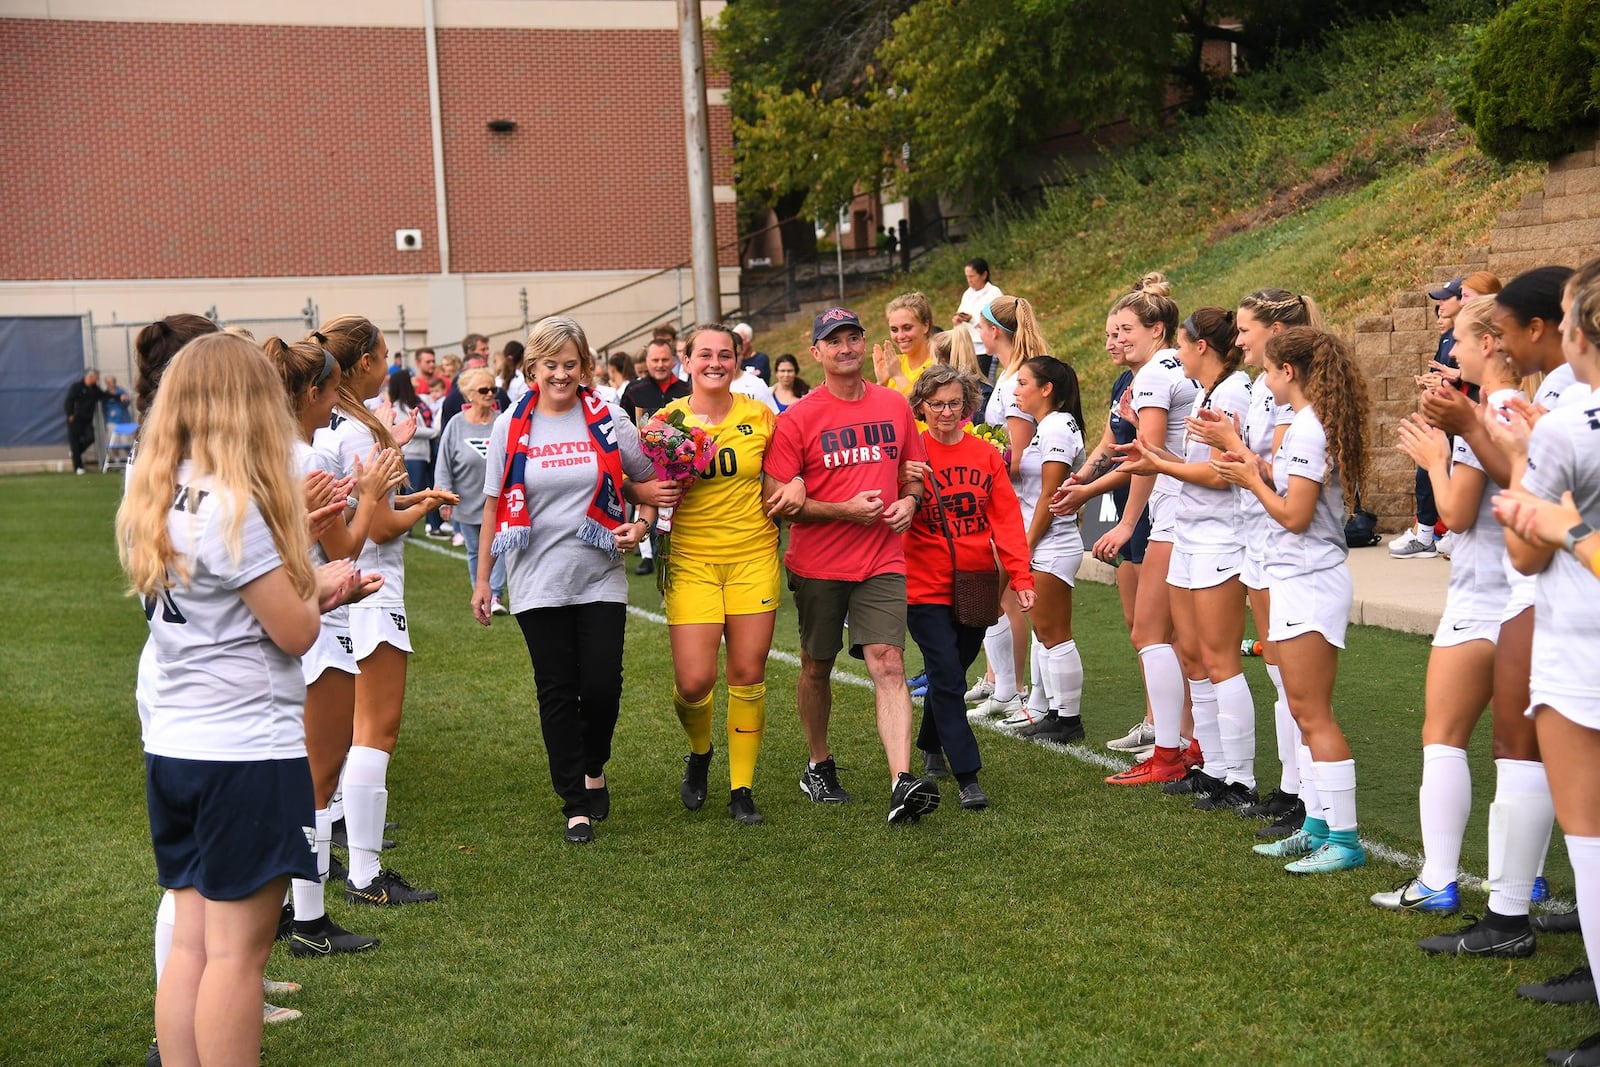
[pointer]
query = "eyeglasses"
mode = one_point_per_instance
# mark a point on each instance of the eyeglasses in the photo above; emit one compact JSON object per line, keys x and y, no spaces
{"x":485,"y":391}
{"x":943,"y":405}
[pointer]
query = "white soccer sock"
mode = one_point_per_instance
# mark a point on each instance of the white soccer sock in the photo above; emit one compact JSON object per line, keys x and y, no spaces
{"x":646,"y":549}
{"x":1584,"y":852}
{"x":1336,"y":785}
{"x":1445,"y":802}
{"x":1039,"y":696}
{"x":1520,"y":821}
{"x":1163,"y":684}
{"x":1310,"y":795}
{"x":1283,"y":723}
{"x":1207,"y":730}
{"x":998,"y":648}
{"x":336,"y":805}
{"x":366,"y":803}
{"x":1236,"y":715}
{"x":1064,"y":671}
{"x":166,"y":916}
{"x":309,"y":904}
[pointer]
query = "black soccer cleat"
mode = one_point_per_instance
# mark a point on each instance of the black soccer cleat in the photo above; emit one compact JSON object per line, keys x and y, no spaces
{"x":388,"y":890}
{"x":324,"y":937}
{"x":742,"y":807}
{"x":1586,"y":1054}
{"x":1574,"y":987}
{"x":1274,"y":805}
{"x":1480,"y":939}
{"x":1055,"y":728}
{"x":1195,"y":782}
{"x":1556,"y":922}
{"x":693,"y":789}
{"x":1232,"y":797}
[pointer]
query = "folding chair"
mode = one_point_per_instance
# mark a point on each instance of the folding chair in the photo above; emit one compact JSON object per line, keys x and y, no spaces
{"x":118,"y":448}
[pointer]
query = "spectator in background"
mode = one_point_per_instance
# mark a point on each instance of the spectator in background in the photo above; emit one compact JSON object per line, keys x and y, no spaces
{"x":508,"y":376}
{"x":749,"y":358}
{"x":117,"y":402}
{"x":891,"y":244}
{"x":462,"y":448}
{"x":418,"y":451}
{"x":789,"y":387}
{"x":83,"y":401}
{"x":659,"y":385}
{"x":427,"y":364}
{"x":749,"y":383}
{"x":620,"y":369}
{"x":979,"y":293}
{"x":1420,"y":541}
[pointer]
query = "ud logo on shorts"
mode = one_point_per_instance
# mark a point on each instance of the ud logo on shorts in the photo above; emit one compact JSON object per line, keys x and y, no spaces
{"x":399,"y":621}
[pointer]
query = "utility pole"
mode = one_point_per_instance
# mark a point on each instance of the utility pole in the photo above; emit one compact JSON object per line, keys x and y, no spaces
{"x":697,"y":143}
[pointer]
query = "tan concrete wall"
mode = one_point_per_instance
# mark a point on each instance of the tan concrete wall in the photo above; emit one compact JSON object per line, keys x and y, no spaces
{"x":1560,"y":224}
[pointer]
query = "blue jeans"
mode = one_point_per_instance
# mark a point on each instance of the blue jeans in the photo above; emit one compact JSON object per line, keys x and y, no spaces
{"x":948,"y":650}
{"x":419,"y":475}
{"x":497,"y":575}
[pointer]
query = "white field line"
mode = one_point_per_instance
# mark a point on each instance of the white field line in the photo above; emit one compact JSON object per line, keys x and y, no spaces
{"x":1082,"y":753}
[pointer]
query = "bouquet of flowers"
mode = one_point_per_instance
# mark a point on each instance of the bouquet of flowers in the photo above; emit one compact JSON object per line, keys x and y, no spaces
{"x":678,"y":451}
{"x":996,"y":435}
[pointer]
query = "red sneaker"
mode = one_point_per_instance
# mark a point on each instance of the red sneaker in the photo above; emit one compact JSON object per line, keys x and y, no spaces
{"x":1162,"y":765}
{"x":1192,"y":756}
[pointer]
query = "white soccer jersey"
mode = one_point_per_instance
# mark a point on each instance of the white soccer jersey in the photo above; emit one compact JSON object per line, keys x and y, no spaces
{"x":1479,"y":587}
{"x":1304,"y":454}
{"x":1564,"y":456}
{"x":345,"y":440}
{"x":1160,"y":384}
{"x":1208,"y":519}
{"x":222,"y":689}
{"x":1259,"y":432}
{"x":1559,"y":389}
{"x":1003,"y":402}
{"x":1058,"y":440}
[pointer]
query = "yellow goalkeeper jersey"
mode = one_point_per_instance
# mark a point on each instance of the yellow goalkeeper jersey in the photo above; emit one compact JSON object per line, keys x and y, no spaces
{"x":722,"y":518}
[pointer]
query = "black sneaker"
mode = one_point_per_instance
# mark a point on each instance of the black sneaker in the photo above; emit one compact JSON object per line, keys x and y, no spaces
{"x":1478,"y":939}
{"x":1285,"y":824}
{"x":1273,"y":805}
{"x":934,"y":765}
{"x":579,"y":833}
{"x":1055,"y":727}
{"x":1556,"y":922}
{"x":599,"y":802}
{"x":742,"y":806}
{"x":646,"y":566}
{"x":821,"y":783}
{"x":1232,"y":797}
{"x":285,"y":921}
{"x":911,"y":799}
{"x":340,"y":837}
{"x":324,"y":937}
{"x":1194,"y":783}
{"x":1585,"y":1055}
{"x":973,"y":798}
{"x":1574,"y":987}
{"x":388,"y":890}
{"x":693,"y":789}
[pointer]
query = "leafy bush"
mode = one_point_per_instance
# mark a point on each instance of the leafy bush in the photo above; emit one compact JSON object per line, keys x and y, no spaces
{"x":1533,"y":87}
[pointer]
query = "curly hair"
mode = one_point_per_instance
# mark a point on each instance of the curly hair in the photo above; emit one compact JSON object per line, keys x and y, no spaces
{"x":940,"y":375}
{"x":1336,"y":389}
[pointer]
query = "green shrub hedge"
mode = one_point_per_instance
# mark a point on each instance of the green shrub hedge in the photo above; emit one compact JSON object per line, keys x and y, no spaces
{"x":1533,"y":86}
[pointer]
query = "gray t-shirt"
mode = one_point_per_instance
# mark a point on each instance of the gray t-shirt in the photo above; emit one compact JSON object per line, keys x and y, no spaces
{"x":459,"y":468}
{"x":557,"y":569}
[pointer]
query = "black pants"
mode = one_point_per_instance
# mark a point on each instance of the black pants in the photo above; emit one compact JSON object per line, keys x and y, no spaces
{"x":577,"y":672}
{"x":1427,"y":511}
{"x":948,"y":650}
{"x":80,"y":438}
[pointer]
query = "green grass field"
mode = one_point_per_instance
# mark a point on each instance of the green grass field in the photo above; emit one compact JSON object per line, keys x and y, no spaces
{"x":1073,"y":922}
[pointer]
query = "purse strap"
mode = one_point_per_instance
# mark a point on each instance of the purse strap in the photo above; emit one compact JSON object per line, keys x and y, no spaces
{"x":944,"y":527}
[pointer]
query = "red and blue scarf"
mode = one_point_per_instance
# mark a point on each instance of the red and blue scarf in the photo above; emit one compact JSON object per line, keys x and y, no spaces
{"x":605,"y":513}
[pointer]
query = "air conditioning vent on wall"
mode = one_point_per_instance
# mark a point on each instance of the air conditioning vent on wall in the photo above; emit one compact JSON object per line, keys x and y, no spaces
{"x":408,"y":240}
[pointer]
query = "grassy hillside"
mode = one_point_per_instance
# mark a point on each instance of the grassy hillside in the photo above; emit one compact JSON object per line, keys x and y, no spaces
{"x":1342,"y":175}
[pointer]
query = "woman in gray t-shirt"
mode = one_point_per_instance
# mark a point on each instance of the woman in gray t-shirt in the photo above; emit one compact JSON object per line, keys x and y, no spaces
{"x":562,"y":535}
{"x":463,"y":447}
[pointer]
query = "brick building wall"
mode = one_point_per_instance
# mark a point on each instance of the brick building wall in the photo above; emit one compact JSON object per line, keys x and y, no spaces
{"x":1558,"y":225}
{"x":181,"y":150}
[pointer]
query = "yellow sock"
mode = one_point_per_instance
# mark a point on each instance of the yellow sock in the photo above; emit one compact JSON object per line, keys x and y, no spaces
{"x":747,"y":720}
{"x":696,"y":719}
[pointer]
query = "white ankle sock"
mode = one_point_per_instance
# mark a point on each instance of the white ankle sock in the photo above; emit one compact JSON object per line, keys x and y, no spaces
{"x":166,"y":916}
{"x":1336,"y":785}
{"x":1584,"y":852}
{"x":998,"y":648}
{"x":1236,"y":715}
{"x":1163,"y":683}
{"x":1445,"y":802}
{"x":309,"y":903}
{"x":366,"y":803}
{"x":1207,"y":730}
{"x":1520,"y":821}
{"x":1064,"y":671}
{"x":1310,"y":796}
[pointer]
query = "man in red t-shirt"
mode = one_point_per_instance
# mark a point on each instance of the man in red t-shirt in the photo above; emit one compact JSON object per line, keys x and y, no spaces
{"x":846,"y":441}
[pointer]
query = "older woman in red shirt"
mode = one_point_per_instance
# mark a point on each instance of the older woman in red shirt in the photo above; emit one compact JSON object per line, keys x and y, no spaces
{"x":971,"y":512}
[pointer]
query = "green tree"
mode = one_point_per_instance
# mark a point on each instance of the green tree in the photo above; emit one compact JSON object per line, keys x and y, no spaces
{"x":1533,"y":87}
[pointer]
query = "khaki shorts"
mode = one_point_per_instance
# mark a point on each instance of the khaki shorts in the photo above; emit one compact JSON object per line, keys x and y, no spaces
{"x":874,"y":607}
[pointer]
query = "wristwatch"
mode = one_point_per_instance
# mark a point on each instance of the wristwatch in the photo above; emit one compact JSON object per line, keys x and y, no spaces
{"x":1576,"y":534}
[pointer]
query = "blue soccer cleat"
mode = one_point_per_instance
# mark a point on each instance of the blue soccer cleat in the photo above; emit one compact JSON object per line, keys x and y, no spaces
{"x":1412,"y":895}
{"x":1298,"y":843}
{"x":1541,"y":890}
{"x":1329,"y":859}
